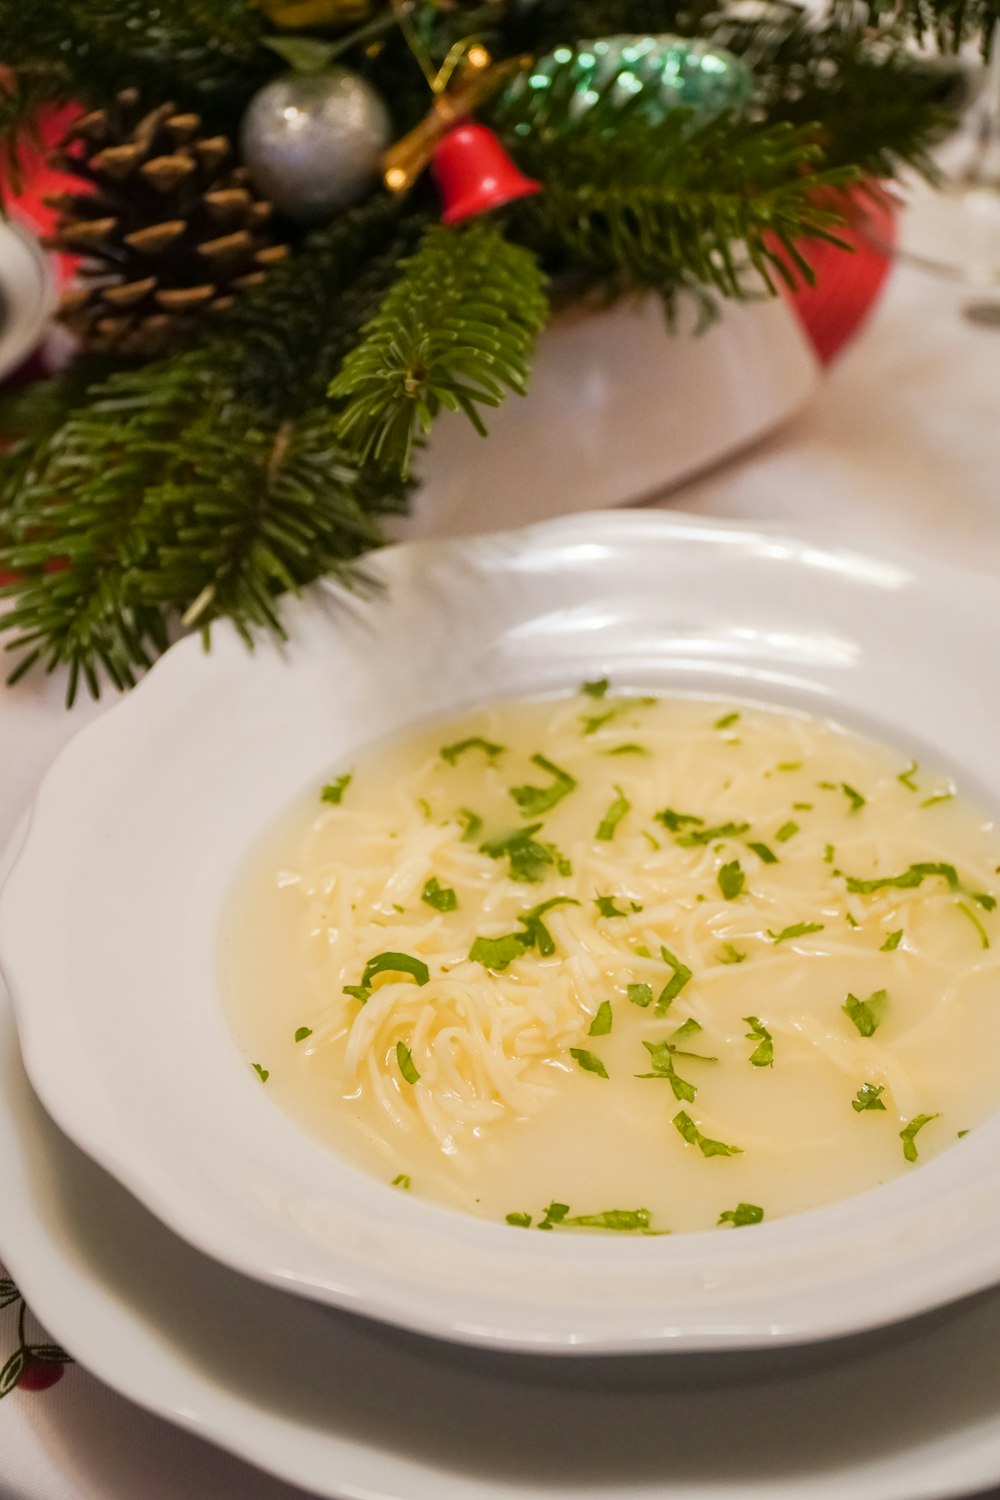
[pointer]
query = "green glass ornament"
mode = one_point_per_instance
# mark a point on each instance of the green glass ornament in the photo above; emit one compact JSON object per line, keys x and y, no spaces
{"x":652,"y":75}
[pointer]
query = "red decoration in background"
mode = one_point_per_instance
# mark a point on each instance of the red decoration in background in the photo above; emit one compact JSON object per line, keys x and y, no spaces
{"x":848,"y":283}
{"x":475,"y":174}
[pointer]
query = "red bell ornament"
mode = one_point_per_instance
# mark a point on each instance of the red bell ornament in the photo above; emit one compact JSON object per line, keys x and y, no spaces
{"x":475,"y":174}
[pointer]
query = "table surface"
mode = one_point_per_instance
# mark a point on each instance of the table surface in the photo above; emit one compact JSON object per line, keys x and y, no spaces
{"x":902,"y":447}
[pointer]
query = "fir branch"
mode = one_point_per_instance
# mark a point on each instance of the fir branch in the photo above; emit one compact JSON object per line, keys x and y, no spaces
{"x":676,"y":205}
{"x":455,"y":330}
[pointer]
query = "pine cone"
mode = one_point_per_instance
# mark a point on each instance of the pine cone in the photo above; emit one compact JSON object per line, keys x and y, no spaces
{"x":166,"y":232}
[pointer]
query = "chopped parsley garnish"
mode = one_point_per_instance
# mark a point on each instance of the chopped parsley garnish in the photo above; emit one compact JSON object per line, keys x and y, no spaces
{"x":499,"y":952}
{"x":674,"y":821}
{"x":662,"y":1062}
{"x":906,"y":777}
{"x":988,"y":903}
{"x":441,"y":897}
{"x":537,"y":935}
{"x":698,"y":836}
{"x":406,"y":1063}
{"x":797,"y":929}
{"x":613,"y":1218}
{"x":789,"y":765}
{"x":536,"y":800}
{"x":334,"y":790}
{"x":687,"y":1028}
{"x":595,"y":689}
{"x":402,"y":1181}
{"x":618,"y":809}
{"x":869,"y":1096}
{"x":853,"y":796}
{"x":937,"y":797}
{"x":640,"y":994}
{"x":520,"y":1221}
{"x":892,"y":942}
{"x":472,"y":824}
{"x":908,"y":880}
{"x":763,"y":852}
{"x":554,"y":1214}
{"x":828,"y":854}
{"x":686,"y":1127}
{"x":302,"y":1032}
{"x":908,"y":1134}
{"x":607,"y":908}
{"x":653,"y":843}
{"x":851,"y":920}
{"x":970,"y":914}
{"x":262,"y":1073}
{"x":593,"y":722}
{"x":786,"y":831}
{"x":762,"y":1055}
{"x":588,"y":1062}
{"x":802,"y":807}
{"x":425,"y":807}
{"x":731,"y":880}
{"x":675,"y":984}
{"x":866,"y":1014}
{"x":742,"y":1214}
{"x":629,"y":749}
{"x":601,"y":1024}
{"x":388,"y":963}
{"x":725,"y":721}
{"x":529,"y":860}
{"x":451,"y":753}
{"x":731,"y":955}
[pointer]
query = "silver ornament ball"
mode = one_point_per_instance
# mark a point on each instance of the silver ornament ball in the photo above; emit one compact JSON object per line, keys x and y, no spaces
{"x":312,"y":141}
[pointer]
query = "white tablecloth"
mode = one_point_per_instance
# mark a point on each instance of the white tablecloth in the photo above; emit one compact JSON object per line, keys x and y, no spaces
{"x":902,"y":447}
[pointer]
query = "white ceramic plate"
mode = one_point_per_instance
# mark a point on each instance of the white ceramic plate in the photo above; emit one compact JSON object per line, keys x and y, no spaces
{"x":109,"y":923}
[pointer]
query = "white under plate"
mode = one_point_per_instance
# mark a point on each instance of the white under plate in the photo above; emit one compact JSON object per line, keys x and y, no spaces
{"x":354,"y":1412}
{"x":110,"y":919}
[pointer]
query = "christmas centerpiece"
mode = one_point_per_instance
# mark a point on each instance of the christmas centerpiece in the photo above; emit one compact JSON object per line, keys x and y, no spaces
{"x":305,"y":227}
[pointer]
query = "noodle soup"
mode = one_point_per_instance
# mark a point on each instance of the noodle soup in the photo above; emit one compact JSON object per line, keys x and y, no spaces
{"x":624,"y":963}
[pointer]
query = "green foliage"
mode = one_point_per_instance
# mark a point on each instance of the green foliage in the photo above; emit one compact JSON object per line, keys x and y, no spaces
{"x":455,"y":330}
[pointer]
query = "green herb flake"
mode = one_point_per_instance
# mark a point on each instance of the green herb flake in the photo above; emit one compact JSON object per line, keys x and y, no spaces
{"x":731,"y":880}
{"x":892,"y":942}
{"x":602,"y":1022}
{"x":674,"y":821}
{"x":786,"y":831}
{"x":763,"y":1054}
{"x":961,"y":1134}
{"x":529,"y":859}
{"x":334,"y":790}
{"x":441,"y":897}
{"x":789,"y":765}
{"x":908,"y":1134}
{"x":906,"y":777}
{"x":851,"y":921}
{"x":802,"y":807}
{"x":618,"y":809}
{"x":797,"y":930}
{"x":686,"y":1127}
{"x":731,"y":955}
{"x":536,"y":800}
{"x":451,"y":753}
{"x":500,"y":952}
{"x":687,"y":1028}
{"x":406,"y":1063}
{"x":588,"y":1062}
{"x":628,"y":749}
{"x":853,"y":796}
{"x":828,"y":854}
{"x":621,"y":1219}
{"x":908,"y":880}
{"x":520,"y":1221}
{"x":763,"y":853}
{"x":536,"y":934}
{"x":554,"y":1214}
{"x":262,"y":1073}
{"x":302,"y":1032}
{"x":869,"y":1096}
{"x":662,"y":1062}
{"x":595,"y":689}
{"x":971,"y":916}
{"x":741,"y":1215}
{"x":357,"y":992}
{"x":425,"y":807}
{"x":402,"y":1181}
{"x":866,"y":1014}
{"x":987,"y":902}
{"x":936,"y":798}
{"x":700,"y":836}
{"x":472,"y":825}
{"x":593,"y":722}
{"x":640,"y":994}
{"x":395,"y":963}
{"x":725,"y":721}
{"x":675,"y":984}
{"x":607,"y":908}
{"x":653,"y":843}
